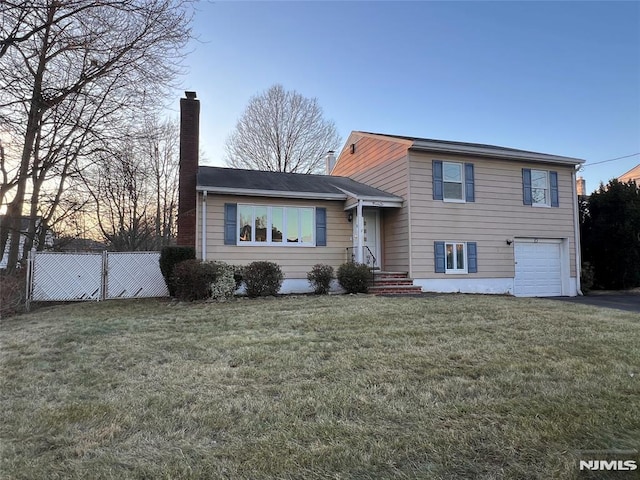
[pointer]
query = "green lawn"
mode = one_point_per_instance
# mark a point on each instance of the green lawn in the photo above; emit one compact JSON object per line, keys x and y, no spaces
{"x":339,"y":387}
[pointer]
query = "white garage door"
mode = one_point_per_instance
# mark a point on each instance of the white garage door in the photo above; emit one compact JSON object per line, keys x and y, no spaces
{"x":538,"y":268}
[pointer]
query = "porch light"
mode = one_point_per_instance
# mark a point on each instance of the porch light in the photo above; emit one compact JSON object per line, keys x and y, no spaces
{"x":350,"y":217}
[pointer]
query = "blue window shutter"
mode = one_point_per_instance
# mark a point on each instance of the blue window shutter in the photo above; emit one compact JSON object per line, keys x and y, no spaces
{"x":553,"y":180}
{"x":527,"y":198}
{"x":437,"y":180}
{"x":321,"y":227}
{"x":469,"y":189}
{"x":230,"y":221}
{"x":472,"y":257}
{"x":440,"y":256}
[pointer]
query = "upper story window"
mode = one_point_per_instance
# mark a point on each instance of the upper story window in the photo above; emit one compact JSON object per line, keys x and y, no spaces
{"x":540,"y":188}
{"x":275,"y":225}
{"x":453,"y":181}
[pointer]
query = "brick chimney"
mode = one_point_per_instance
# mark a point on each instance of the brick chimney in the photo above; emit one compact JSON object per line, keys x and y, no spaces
{"x":581,"y":186}
{"x":189,"y":146}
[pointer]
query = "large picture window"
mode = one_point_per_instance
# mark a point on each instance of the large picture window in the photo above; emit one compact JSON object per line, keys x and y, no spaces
{"x":267,"y":225}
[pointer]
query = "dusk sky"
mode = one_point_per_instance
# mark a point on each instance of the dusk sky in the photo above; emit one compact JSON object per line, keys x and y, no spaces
{"x":552,"y":77}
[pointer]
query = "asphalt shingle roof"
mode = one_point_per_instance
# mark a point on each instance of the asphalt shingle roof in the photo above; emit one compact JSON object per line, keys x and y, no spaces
{"x":238,"y":179}
{"x":449,"y":143}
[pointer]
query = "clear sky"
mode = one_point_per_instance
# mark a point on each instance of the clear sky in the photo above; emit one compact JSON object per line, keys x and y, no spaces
{"x":552,"y":77}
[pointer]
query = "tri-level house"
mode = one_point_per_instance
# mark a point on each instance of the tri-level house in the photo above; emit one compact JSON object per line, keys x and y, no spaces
{"x":445,"y":216}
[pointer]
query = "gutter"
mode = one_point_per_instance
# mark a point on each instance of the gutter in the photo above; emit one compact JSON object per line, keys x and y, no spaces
{"x":576,"y":233}
{"x":271,"y":193}
{"x":204,"y":226}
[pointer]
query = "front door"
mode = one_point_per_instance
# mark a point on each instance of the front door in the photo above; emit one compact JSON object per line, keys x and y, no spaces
{"x":371,"y":237}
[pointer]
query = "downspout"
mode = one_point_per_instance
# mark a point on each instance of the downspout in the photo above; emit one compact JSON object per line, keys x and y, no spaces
{"x":204,"y":226}
{"x":576,"y":233}
{"x":359,"y":255}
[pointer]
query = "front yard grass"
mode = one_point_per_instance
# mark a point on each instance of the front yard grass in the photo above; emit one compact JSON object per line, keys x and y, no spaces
{"x":341,"y":387}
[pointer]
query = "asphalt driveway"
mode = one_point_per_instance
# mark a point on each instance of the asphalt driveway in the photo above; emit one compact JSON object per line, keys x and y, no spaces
{"x":628,"y":302}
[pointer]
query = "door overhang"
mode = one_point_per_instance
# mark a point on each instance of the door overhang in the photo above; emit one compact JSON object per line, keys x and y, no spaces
{"x":353,"y":203}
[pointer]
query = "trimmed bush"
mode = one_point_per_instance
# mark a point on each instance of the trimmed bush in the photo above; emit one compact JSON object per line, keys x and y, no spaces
{"x":262,"y":279}
{"x":224,"y":284}
{"x":192,"y":279}
{"x":320,"y":278}
{"x":354,"y":277}
{"x":169,"y":258}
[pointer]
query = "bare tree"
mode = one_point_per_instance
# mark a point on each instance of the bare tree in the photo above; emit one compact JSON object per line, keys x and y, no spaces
{"x":123,"y":205}
{"x":133,"y":185}
{"x":160,"y":142}
{"x":281,"y":131}
{"x":72,"y":73}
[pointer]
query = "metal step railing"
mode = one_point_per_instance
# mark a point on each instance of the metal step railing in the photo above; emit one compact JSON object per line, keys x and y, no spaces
{"x":368,"y":258}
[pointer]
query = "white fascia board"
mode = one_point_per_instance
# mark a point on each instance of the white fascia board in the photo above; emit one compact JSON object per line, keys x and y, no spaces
{"x":392,"y":199}
{"x":382,"y":203}
{"x":271,"y":193}
{"x":495,"y":152}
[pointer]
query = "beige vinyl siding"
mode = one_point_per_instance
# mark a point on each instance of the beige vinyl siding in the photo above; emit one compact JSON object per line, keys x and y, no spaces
{"x":497,"y":215}
{"x":295,"y":261}
{"x":382,"y":163}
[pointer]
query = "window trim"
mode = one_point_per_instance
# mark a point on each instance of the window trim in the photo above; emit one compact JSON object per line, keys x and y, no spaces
{"x":547,"y":189}
{"x":470,"y":255}
{"x":462,"y":182}
{"x":467,"y":181}
{"x":553,"y":189}
{"x":465,"y":257}
{"x":269,"y":241}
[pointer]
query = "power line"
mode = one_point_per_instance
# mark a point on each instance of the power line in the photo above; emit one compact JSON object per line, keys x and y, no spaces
{"x":610,"y":160}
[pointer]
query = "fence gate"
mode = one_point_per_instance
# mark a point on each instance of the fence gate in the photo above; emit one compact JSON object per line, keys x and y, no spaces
{"x":56,"y":276}
{"x":134,"y":275}
{"x":65,"y":277}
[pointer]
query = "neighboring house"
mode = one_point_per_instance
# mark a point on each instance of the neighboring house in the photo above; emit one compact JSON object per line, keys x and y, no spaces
{"x":632,"y":175}
{"x":24,"y":229}
{"x":456,"y":217}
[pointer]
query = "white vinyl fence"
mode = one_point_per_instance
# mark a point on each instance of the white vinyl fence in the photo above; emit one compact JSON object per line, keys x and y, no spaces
{"x":56,"y":276}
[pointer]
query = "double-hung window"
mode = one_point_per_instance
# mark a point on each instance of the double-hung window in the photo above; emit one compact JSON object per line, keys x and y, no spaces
{"x":275,"y":225}
{"x":453,"y":181}
{"x":540,"y":188}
